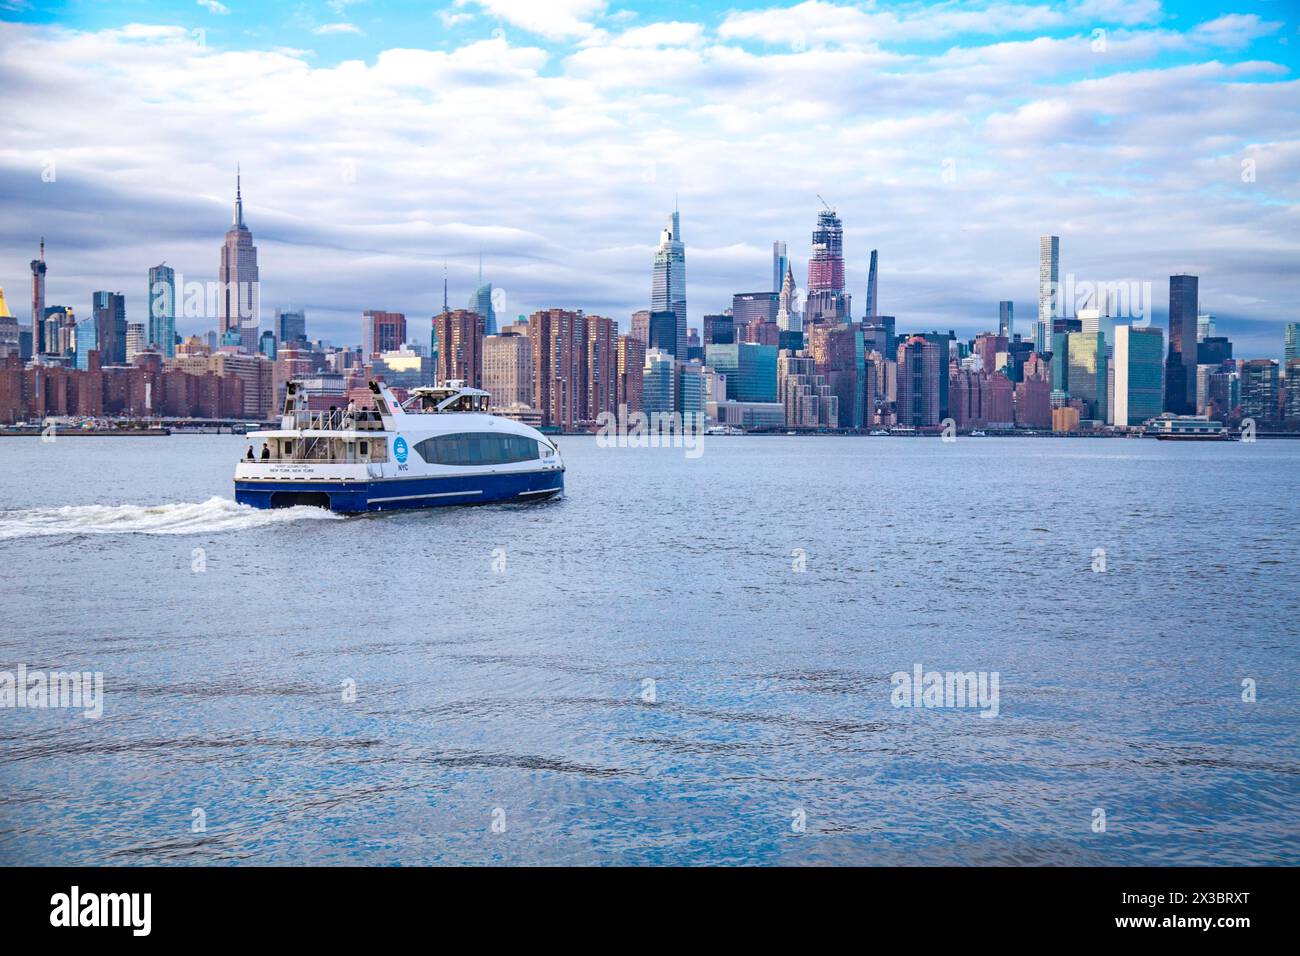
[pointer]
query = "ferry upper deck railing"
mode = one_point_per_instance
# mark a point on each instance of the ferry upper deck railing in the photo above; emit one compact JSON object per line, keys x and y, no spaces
{"x":339,"y":419}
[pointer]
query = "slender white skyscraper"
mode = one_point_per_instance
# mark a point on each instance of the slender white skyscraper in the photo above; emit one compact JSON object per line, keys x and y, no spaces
{"x":668,"y":287}
{"x":1049,"y":268}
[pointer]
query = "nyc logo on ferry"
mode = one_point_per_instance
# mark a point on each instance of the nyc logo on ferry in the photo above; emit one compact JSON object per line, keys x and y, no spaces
{"x":400,"y":451}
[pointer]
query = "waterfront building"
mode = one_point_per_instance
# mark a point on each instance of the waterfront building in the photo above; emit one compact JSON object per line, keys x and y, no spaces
{"x":748,"y":415}
{"x":601,"y":371}
{"x":631,"y":366}
{"x":1049,"y":308}
{"x":1034,"y":401}
{"x":558,"y":338}
{"x":1180,"y":366}
{"x":239,"y":301}
{"x":1086,"y":355}
{"x":921,"y":365}
{"x":668,"y":285}
{"x":1259,"y":389}
{"x":162,"y":310}
{"x":1291,"y":407}
{"x":840,"y":356}
{"x":1065,"y":419}
{"x":804,"y":393}
{"x":508,"y":369}
{"x":1138,"y":359}
{"x":692,"y":397}
{"x":750,"y":370}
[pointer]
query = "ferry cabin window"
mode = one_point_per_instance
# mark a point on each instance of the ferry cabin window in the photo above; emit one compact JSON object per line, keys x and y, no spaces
{"x":477,"y":448}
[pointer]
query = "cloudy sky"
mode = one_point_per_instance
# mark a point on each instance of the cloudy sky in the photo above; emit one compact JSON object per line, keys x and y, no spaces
{"x":381,"y":139}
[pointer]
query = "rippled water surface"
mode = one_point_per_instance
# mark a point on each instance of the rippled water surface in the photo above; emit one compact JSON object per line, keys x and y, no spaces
{"x":502,"y":657}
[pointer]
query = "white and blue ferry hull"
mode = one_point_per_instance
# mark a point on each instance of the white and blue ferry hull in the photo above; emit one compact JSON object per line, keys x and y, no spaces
{"x":394,"y":494}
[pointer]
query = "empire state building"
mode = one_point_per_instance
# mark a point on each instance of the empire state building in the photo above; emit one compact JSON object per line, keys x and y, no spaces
{"x":239,"y":299}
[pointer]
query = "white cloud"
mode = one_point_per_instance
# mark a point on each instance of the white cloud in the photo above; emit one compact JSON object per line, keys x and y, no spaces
{"x":552,"y":19}
{"x":212,"y":6}
{"x":330,"y":29}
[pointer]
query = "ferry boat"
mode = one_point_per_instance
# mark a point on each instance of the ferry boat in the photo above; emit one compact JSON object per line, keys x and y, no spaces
{"x":1169,"y":427}
{"x":441,"y":447}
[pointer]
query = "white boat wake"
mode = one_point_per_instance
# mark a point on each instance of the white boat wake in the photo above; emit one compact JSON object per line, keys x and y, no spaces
{"x":212,"y":516}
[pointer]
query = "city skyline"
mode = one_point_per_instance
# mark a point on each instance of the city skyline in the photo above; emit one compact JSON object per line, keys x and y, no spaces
{"x":957,"y":237}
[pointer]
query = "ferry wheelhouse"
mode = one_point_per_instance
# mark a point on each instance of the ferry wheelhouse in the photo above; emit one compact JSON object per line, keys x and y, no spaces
{"x":440,"y":447}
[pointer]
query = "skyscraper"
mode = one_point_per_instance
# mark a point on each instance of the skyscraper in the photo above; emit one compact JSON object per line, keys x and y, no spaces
{"x":460,"y":346}
{"x":239,"y":299}
{"x":668,"y":286}
{"x":382,"y":332}
{"x":919,"y":375}
{"x":162,"y":309}
{"x":1180,"y":367}
{"x":873,"y":304}
{"x":558,"y":337}
{"x":1259,"y":385}
{"x":1139,"y":374}
{"x":508,"y":370}
{"x":291,"y":328}
{"x":38,"y":298}
{"x":788,"y":318}
{"x":827,"y":301}
{"x":780,"y":262}
{"x":109,"y":312}
{"x":631,"y":378}
{"x":1291,"y":342}
{"x":1086,"y":353}
{"x":1007,"y":322}
{"x":826,"y":267}
{"x":1049,"y":268}
{"x":481,"y":302}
